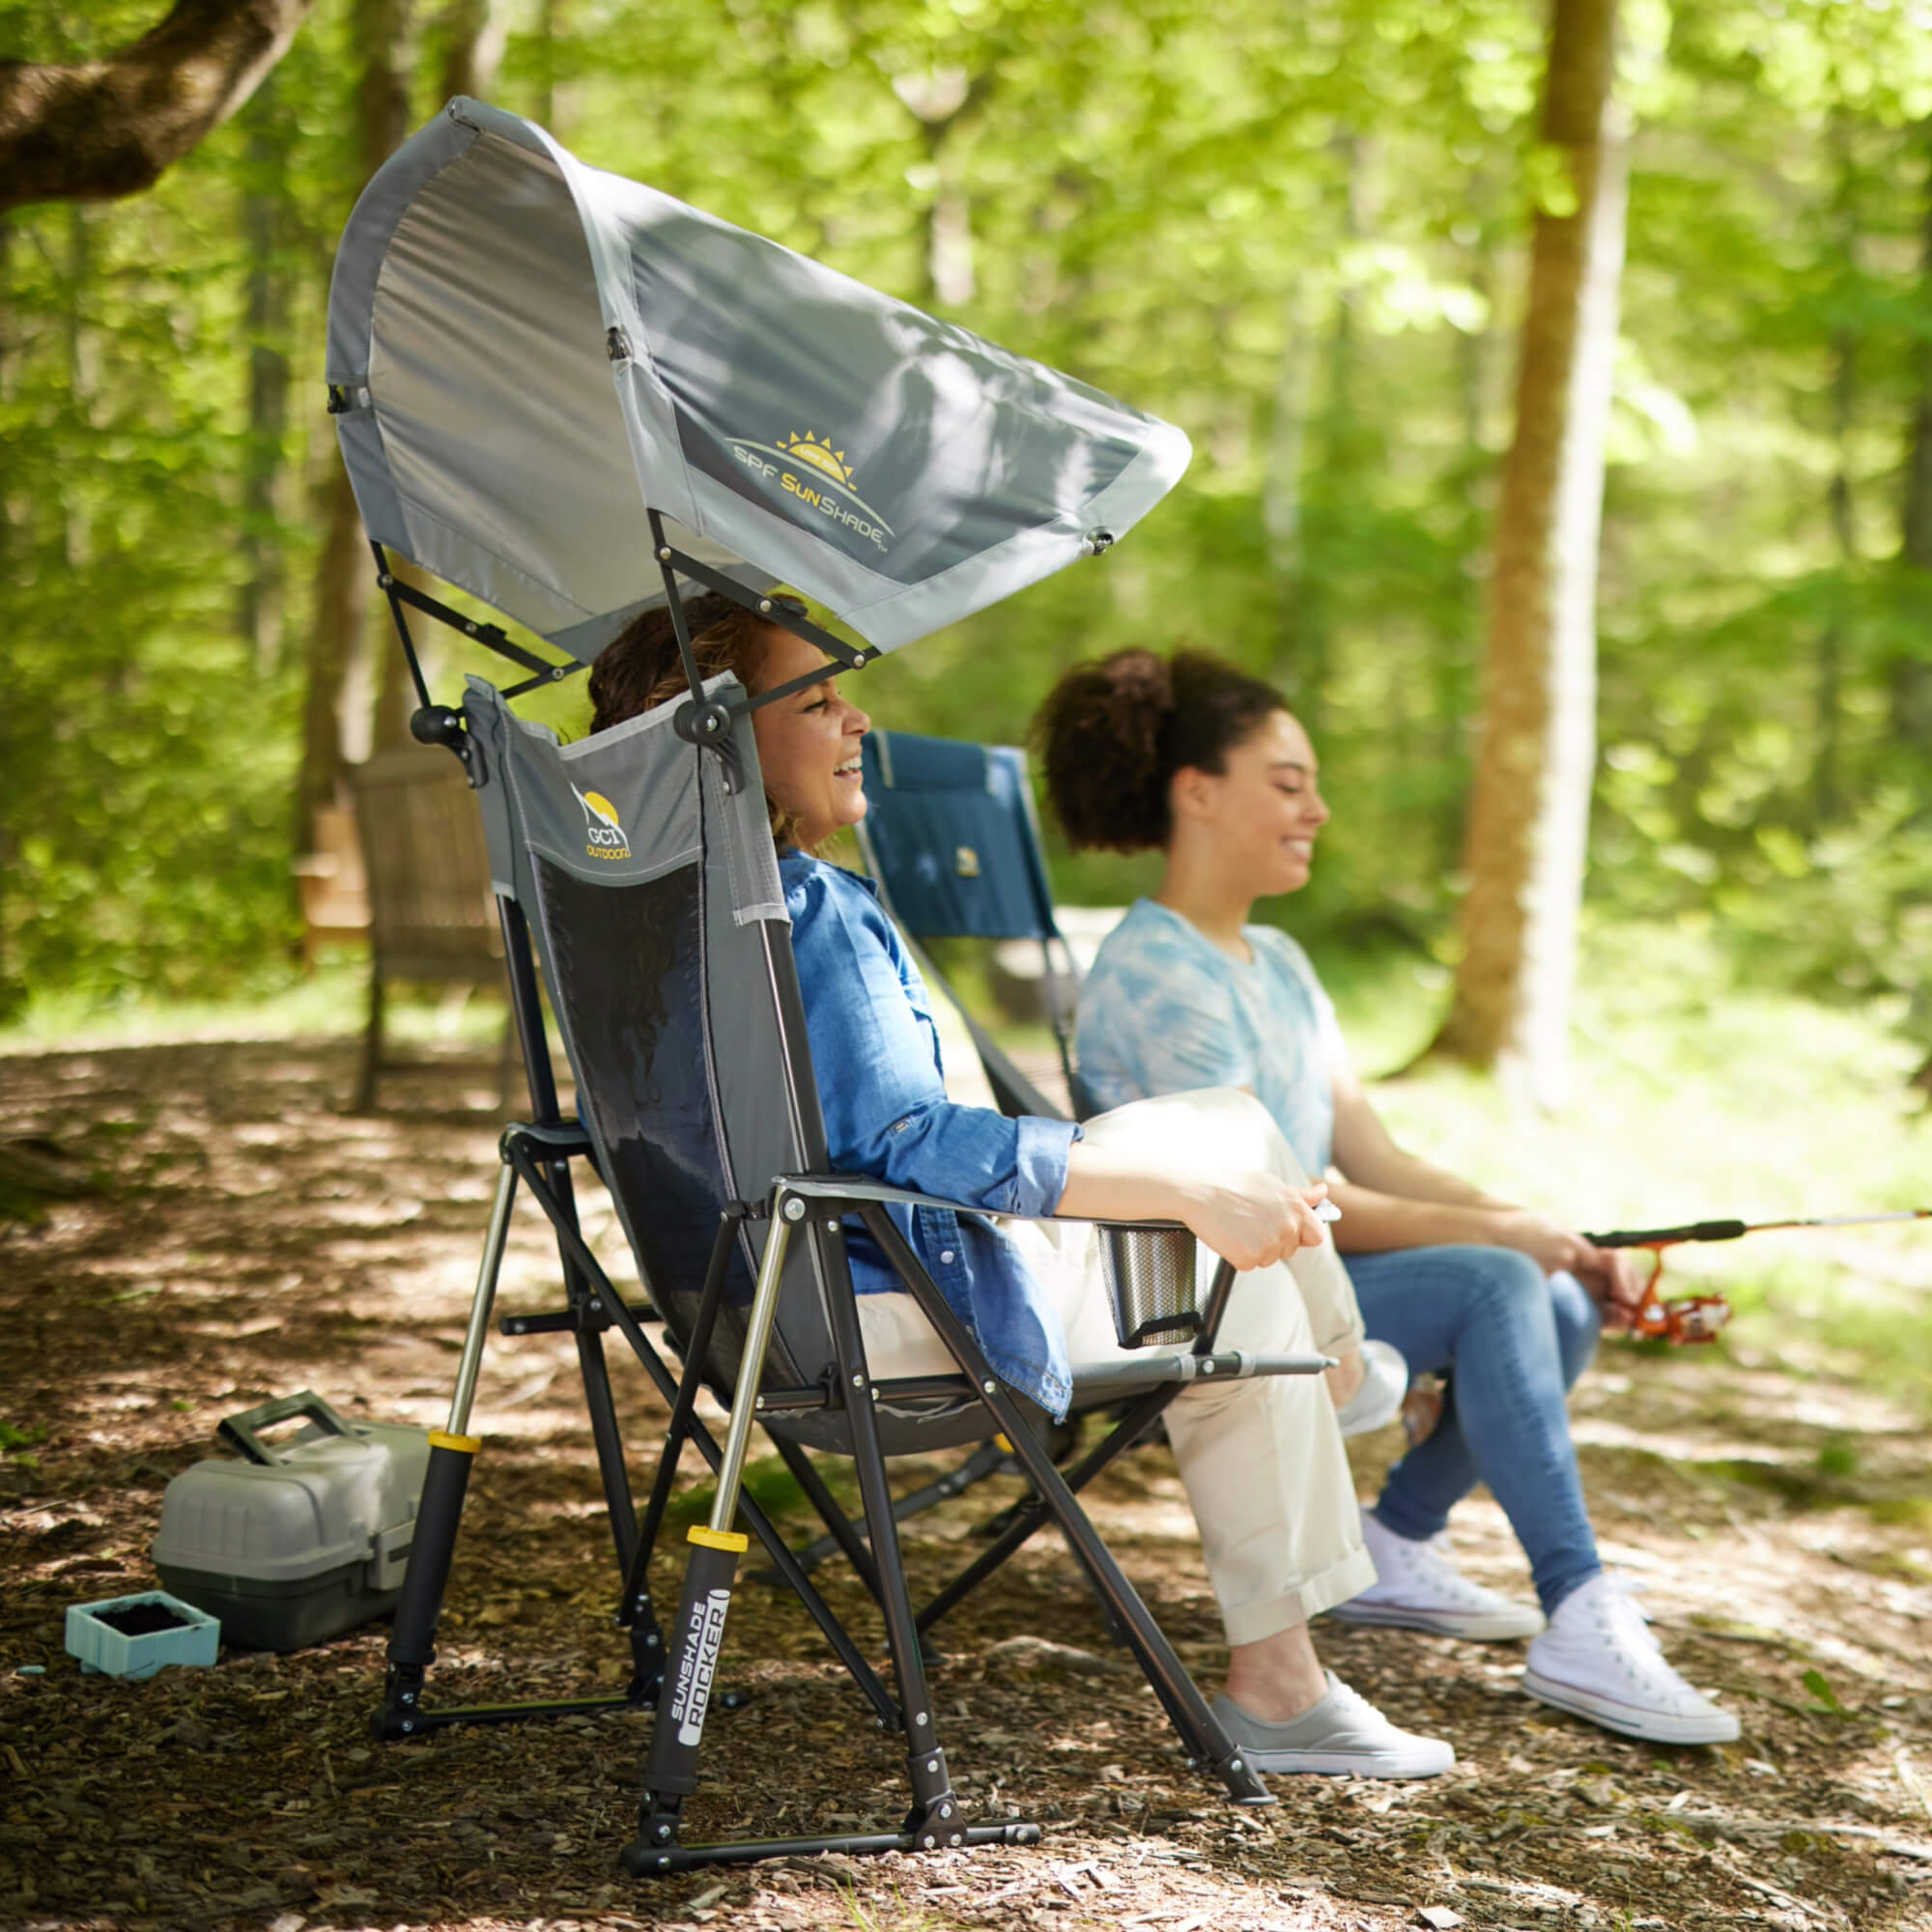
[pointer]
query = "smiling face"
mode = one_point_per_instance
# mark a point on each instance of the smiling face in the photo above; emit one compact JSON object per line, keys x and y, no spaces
{"x":1262,"y":814}
{"x":808,"y":743}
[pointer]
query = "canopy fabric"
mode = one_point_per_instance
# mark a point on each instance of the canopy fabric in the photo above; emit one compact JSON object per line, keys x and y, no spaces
{"x":529,"y":353}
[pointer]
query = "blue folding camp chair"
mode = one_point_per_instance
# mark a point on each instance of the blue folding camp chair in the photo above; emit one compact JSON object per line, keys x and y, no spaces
{"x":952,"y":839}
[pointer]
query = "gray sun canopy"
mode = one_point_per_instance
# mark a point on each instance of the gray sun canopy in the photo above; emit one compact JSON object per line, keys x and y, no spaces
{"x":527,"y":354}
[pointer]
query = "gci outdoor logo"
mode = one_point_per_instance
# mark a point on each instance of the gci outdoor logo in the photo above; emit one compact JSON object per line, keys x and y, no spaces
{"x":604,"y":835}
{"x":691,"y":1691}
{"x":817,"y":475}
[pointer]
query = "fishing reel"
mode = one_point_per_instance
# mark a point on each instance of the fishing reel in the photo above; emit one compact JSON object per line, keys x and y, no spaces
{"x":1682,"y":1320}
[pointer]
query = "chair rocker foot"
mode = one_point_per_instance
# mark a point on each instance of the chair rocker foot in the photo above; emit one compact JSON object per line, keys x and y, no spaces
{"x":395,"y":1723}
{"x":403,"y":1714}
{"x":1244,"y":1783}
{"x":650,"y":1856}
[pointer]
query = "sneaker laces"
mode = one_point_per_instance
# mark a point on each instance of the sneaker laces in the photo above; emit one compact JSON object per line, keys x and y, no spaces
{"x":1626,"y":1624}
{"x":1431,"y":1564}
{"x":1627,"y":1618}
{"x":1347,"y":1697}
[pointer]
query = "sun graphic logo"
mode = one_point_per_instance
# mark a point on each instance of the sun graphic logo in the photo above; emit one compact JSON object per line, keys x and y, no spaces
{"x":821,"y":456}
{"x":604,"y":835}
{"x":813,"y":471}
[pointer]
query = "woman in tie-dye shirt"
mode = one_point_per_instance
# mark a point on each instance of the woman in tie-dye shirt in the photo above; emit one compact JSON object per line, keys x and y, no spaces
{"x":1192,"y":758}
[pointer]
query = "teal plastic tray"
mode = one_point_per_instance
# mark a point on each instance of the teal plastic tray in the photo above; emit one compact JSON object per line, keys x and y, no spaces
{"x":193,"y":1637}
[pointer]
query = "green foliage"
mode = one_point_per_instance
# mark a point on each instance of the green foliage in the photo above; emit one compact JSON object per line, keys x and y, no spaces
{"x":1826,"y":1699}
{"x":1298,"y":232}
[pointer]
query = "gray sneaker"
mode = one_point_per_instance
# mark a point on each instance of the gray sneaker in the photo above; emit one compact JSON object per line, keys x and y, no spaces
{"x":1344,"y":1736}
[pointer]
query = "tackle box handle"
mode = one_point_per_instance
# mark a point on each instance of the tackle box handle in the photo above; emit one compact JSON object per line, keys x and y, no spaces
{"x":239,"y":1431}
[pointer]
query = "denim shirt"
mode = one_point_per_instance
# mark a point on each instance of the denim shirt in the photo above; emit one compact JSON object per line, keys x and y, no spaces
{"x":868,"y":1018}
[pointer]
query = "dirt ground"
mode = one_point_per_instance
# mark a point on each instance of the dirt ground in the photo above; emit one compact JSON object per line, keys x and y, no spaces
{"x":216,"y":1233}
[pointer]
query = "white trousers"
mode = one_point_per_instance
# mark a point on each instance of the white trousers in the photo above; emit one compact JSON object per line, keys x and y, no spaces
{"x":1262,"y":1459}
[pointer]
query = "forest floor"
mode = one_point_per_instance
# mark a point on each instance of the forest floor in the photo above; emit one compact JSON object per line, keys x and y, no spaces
{"x":229,"y":1235}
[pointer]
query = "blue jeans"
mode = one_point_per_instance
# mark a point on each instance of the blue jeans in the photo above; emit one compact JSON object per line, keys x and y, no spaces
{"x":1513,"y":1340}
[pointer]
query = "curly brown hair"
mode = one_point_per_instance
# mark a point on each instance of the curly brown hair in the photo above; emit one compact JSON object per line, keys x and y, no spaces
{"x":642,"y":666}
{"x":1114,"y":731}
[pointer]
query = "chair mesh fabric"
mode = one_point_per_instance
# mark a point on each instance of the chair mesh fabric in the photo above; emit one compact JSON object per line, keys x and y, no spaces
{"x":654,"y":901}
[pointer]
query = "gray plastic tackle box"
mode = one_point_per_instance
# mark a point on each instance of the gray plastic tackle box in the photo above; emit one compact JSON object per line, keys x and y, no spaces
{"x":307,"y":1537}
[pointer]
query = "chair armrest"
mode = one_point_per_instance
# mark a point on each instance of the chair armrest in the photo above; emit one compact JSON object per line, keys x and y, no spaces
{"x":1155,"y":1366}
{"x":858,"y":1187}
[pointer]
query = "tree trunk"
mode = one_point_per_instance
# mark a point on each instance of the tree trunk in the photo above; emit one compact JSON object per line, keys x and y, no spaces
{"x":1827,"y":788}
{"x":338,"y":633}
{"x":1528,"y":828}
{"x":543,"y":106}
{"x":472,"y":52}
{"x":939,"y":101}
{"x":259,"y":603}
{"x":342,"y":580}
{"x":1282,"y":490}
{"x":76,"y":522}
{"x":1302,"y":658}
{"x":97,"y":130}
{"x":1912,"y":677}
{"x":12,"y":987}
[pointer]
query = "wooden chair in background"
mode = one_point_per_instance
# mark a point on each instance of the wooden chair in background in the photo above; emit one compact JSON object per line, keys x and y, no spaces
{"x":405,"y":869}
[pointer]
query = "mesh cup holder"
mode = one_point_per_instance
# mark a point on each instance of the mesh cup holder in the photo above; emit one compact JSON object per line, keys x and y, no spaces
{"x":1150,"y":1278}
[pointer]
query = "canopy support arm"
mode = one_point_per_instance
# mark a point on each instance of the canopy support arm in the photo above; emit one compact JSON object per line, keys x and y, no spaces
{"x":778,"y":611}
{"x":491,"y":637}
{"x":711,"y":722}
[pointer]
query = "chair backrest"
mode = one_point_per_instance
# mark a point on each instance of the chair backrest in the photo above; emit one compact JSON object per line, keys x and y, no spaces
{"x":431,"y":916}
{"x":954,"y":843}
{"x":953,"y":838}
{"x":653,"y":896}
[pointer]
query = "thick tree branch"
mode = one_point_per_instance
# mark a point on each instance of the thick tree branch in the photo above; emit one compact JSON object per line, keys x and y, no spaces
{"x":101,"y":128}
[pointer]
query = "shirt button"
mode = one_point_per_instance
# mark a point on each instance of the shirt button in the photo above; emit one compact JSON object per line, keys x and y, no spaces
{"x":947,"y":1255}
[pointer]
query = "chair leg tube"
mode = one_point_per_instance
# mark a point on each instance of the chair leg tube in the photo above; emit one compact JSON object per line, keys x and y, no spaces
{"x":1200,"y":1732}
{"x":634,"y":1603}
{"x":452,"y":1452}
{"x":369,"y":1068}
{"x":842,"y":1532}
{"x":1028,"y":1515}
{"x":986,"y":1460}
{"x":763,"y":1526}
{"x":936,"y":1817}
{"x":690,"y":1662}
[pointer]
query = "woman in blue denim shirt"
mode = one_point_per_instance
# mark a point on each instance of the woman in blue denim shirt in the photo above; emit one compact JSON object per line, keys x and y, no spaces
{"x":1261,"y":1458}
{"x":1193,"y":758}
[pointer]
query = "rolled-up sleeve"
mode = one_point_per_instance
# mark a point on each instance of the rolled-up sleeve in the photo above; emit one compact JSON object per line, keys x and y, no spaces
{"x":881,"y":1088}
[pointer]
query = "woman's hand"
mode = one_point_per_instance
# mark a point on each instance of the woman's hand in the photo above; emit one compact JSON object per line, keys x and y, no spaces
{"x":1252,"y":1219}
{"x":1614,"y":1279}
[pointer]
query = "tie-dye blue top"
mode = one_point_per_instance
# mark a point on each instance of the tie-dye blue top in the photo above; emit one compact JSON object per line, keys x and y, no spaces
{"x":1165,"y":1010}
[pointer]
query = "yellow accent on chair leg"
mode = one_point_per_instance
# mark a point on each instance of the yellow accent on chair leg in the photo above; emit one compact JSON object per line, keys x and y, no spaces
{"x":463,"y":1445}
{"x":718,"y":1539}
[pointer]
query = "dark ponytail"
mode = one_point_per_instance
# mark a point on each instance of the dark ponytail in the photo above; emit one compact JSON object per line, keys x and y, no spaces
{"x":1114,"y":731}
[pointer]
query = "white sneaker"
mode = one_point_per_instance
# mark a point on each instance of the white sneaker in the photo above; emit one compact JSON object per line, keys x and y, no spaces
{"x":1379,"y":1401}
{"x":1344,"y":1736}
{"x":1417,"y":1587}
{"x":1599,"y":1659}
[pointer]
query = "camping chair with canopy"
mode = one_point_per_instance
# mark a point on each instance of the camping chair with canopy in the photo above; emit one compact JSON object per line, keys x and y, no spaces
{"x":568,"y":396}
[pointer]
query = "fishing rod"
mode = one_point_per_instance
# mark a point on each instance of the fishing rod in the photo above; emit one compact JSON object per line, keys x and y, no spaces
{"x":1697,"y":1317}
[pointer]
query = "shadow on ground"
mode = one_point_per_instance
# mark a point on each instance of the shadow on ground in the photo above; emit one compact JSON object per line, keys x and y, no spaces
{"x":212,"y":1232}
